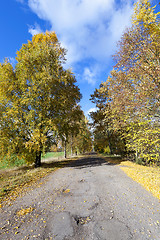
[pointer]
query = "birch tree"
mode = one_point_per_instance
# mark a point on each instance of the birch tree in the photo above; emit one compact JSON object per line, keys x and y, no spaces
{"x":34,"y":97}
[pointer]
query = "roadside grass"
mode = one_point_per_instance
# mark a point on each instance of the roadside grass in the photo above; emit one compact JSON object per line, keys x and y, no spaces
{"x":148,"y":177}
{"x":114,"y":159}
{"x":53,"y":155}
{"x":15,"y":182}
{"x":13,"y":161}
{"x":10,"y":162}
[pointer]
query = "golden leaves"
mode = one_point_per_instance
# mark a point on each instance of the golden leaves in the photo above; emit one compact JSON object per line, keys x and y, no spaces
{"x":24,"y":211}
{"x":67,"y":191}
{"x":148,"y":177}
{"x":48,"y":37}
{"x":144,"y":14}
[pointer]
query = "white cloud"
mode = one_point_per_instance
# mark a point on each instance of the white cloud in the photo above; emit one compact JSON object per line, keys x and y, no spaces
{"x":88,"y":29}
{"x":120,"y":20}
{"x":90,"y":75}
{"x":68,"y":14}
{"x":87,"y":113}
{"x":91,"y":110}
{"x":33,"y":30}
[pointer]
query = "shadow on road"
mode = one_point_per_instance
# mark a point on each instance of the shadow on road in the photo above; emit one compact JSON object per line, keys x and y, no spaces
{"x":84,"y":162}
{"x":88,"y":162}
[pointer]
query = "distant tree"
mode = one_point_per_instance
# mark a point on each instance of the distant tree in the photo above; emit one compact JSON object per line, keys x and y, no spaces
{"x":68,"y":119}
{"x":98,"y":120}
{"x":82,"y":141}
{"x":106,"y":138}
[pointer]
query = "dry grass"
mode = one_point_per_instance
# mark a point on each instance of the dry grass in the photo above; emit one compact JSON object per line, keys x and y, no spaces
{"x":15,"y":182}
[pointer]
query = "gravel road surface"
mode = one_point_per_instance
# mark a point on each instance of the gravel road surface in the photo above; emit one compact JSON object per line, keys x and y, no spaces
{"x":87,"y":199}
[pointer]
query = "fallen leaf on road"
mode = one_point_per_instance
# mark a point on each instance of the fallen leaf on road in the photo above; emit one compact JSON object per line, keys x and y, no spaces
{"x":23,"y":212}
{"x":67,"y":191}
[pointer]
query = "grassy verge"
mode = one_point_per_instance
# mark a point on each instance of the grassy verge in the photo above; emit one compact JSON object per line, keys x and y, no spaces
{"x":11,"y":161}
{"x":53,"y":155}
{"x":14,"y":161}
{"x":148,"y":177}
{"x":15,"y":182}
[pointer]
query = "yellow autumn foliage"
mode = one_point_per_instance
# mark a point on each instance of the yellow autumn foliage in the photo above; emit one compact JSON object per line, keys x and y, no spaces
{"x":148,"y":177}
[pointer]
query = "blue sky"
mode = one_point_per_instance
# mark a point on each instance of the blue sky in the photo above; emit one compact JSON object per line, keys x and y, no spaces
{"x":88,"y":29}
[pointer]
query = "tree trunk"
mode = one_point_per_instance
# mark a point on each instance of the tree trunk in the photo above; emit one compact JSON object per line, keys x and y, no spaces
{"x":136,"y":155}
{"x":65,"y":149}
{"x":109,"y":142}
{"x":38,"y":159}
{"x":71,"y":145}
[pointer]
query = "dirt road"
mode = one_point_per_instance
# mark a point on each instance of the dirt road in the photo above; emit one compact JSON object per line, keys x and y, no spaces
{"x":88,"y":199}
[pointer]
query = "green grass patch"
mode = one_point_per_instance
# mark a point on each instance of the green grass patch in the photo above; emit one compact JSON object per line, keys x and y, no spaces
{"x":53,"y":155}
{"x":11,"y":161}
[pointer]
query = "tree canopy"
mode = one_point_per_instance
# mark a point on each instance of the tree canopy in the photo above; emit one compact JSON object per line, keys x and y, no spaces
{"x":133,"y":85}
{"x":39,"y":98}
